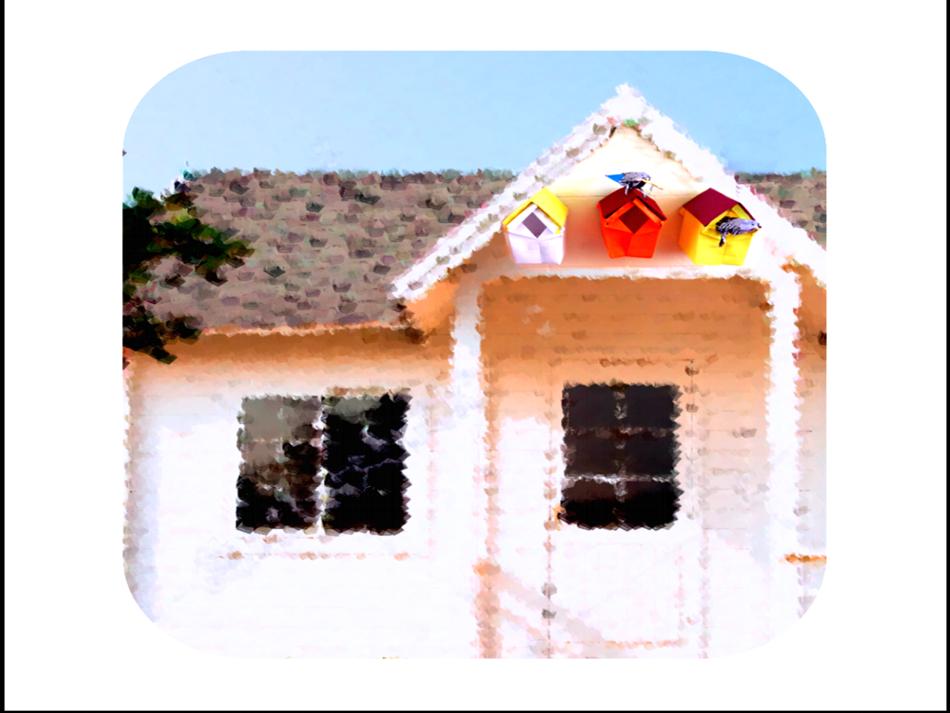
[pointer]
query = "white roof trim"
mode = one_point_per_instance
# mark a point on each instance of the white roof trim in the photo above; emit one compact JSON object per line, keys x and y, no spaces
{"x":786,"y":242}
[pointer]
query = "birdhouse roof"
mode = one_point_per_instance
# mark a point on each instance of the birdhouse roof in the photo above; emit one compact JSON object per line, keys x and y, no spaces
{"x":552,"y":206}
{"x":710,"y":204}
{"x":613,"y":202}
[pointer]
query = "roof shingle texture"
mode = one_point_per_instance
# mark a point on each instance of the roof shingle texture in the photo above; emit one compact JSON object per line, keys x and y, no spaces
{"x":798,"y":197}
{"x":328,"y":245}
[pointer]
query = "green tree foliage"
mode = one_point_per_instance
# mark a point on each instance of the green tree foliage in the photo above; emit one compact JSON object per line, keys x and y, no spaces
{"x":155,"y":228}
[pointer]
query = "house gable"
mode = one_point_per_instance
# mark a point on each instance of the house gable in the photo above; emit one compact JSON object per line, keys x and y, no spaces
{"x":580,"y":186}
{"x":575,"y":166}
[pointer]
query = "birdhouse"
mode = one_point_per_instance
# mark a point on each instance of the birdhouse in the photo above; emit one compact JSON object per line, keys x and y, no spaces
{"x":716,"y":229}
{"x":630,"y":223}
{"x":535,"y":231}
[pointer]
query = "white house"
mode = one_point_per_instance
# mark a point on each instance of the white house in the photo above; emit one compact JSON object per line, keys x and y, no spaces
{"x":478,"y":458}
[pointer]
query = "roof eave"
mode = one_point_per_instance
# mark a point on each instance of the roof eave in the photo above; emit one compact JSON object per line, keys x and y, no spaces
{"x":302,"y":330}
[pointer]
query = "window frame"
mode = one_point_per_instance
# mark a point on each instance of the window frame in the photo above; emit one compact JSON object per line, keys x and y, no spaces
{"x":635,"y":369}
{"x":314,"y":542}
{"x":623,"y":474}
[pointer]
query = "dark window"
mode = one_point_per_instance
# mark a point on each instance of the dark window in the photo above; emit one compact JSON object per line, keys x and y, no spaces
{"x":364,"y":464}
{"x":620,"y":449}
{"x":535,"y":225}
{"x":336,"y":461}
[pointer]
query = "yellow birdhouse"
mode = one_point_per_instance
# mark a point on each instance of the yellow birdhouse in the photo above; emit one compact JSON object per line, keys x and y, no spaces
{"x":716,"y":229}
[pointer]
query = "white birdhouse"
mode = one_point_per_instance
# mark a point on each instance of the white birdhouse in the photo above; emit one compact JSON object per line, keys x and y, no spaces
{"x":535,"y":231}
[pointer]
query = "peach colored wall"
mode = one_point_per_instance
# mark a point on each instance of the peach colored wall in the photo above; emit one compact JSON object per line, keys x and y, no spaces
{"x":432,"y":311}
{"x":709,"y":337}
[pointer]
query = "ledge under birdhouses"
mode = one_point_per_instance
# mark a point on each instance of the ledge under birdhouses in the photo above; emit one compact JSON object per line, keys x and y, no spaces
{"x":535,"y":230}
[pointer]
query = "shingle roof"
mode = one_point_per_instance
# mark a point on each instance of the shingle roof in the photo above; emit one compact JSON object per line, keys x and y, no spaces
{"x":799,"y":197}
{"x":329,"y":245}
{"x":326,"y":245}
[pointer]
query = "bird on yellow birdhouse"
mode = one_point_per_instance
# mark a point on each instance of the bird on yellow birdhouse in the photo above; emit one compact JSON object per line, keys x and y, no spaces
{"x":708,"y":219}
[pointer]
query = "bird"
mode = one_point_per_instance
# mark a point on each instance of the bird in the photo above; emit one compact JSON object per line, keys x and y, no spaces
{"x":735,"y":226}
{"x":632,"y":180}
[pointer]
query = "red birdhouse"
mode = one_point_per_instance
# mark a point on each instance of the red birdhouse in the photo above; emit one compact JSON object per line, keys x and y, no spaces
{"x":630,"y":223}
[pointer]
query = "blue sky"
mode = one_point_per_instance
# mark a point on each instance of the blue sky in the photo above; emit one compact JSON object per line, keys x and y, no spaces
{"x":297,"y":111}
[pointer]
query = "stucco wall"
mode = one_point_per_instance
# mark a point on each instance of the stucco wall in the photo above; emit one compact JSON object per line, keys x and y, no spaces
{"x":701,"y":587}
{"x":291,"y":594}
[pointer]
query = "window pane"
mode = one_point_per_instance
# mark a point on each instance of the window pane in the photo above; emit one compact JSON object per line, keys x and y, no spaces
{"x":650,"y":406}
{"x":589,"y":503}
{"x":364,"y":463}
{"x":370,"y":499}
{"x":649,"y":453}
{"x":274,"y":417}
{"x":593,"y":406}
{"x":280,"y":463}
{"x":593,"y":453}
{"x":344,"y":444}
{"x":649,"y":504}
{"x":387,"y":424}
{"x":270,"y":498}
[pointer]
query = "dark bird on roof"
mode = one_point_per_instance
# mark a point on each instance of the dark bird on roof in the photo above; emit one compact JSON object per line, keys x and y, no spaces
{"x":735,"y":226}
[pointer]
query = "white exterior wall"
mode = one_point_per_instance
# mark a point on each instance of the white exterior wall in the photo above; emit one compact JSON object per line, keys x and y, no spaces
{"x":290,"y":594}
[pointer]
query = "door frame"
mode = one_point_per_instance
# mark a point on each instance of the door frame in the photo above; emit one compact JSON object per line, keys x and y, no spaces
{"x":686,"y":531}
